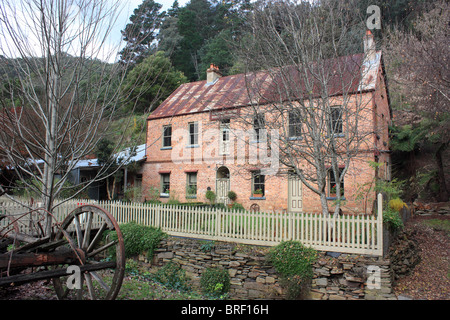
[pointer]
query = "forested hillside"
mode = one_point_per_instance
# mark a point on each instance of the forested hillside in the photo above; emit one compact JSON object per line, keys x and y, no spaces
{"x":163,"y":49}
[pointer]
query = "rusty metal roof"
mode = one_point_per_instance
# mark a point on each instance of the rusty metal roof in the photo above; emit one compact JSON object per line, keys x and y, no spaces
{"x":268,"y":86}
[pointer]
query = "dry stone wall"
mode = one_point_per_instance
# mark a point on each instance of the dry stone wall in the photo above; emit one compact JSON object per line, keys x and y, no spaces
{"x":336,"y":276}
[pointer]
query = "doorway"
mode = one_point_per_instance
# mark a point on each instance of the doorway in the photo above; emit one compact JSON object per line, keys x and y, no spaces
{"x":295,"y":195}
{"x":223,"y":185}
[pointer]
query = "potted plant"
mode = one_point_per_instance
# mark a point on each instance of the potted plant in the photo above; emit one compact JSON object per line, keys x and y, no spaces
{"x":232,"y":196}
{"x":257,"y":193}
{"x":211,"y":196}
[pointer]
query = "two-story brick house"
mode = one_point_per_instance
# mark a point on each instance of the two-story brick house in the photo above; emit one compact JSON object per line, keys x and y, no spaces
{"x":198,"y":140}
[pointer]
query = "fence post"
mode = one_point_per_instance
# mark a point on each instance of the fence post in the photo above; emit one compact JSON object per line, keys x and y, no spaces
{"x":218,"y":225}
{"x":380,"y":223}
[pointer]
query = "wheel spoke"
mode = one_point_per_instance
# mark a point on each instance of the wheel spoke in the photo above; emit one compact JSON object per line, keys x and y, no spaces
{"x":87,"y":231}
{"x":103,"y":248}
{"x":97,"y":237}
{"x":100,"y":281}
{"x":78,"y":230}
{"x":90,"y":287}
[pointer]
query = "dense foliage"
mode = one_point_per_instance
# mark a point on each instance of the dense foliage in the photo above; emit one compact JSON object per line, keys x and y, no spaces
{"x":293,"y":261}
{"x":215,"y":281}
{"x":139,"y":239}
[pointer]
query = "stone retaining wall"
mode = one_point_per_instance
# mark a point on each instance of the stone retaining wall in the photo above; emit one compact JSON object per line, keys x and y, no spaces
{"x":336,"y":276}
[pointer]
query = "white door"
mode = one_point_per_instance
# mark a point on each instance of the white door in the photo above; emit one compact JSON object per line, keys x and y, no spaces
{"x":295,"y":196}
{"x":222,"y":185}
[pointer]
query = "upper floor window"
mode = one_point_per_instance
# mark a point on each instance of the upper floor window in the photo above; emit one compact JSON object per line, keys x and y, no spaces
{"x":167,"y":136}
{"x":335,"y":121}
{"x":224,"y":143}
{"x":295,"y":125}
{"x":193,"y":133}
{"x":258,"y":125}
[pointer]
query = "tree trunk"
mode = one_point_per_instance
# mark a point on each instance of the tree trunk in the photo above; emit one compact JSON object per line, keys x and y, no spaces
{"x":443,"y":191}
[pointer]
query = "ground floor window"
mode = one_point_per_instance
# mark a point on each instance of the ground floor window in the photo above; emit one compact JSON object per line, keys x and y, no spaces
{"x":191,"y":185}
{"x":333,"y":181}
{"x":165,"y":183}
{"x":258,"y":183}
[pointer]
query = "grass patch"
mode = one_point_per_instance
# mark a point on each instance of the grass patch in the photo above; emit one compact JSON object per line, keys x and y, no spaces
{"x":438,"y":224}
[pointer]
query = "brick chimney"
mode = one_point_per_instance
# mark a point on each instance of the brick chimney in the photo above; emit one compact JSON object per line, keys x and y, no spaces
{"x":212,"y":74}
{"x":369,"y":46}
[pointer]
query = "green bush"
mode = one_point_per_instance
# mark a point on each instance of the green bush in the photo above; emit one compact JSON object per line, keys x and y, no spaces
{"x":293,"y":261}
{"x":392,"y":218}
{"x":232,"y":195}
{"x":215,"y":282}
{"x":211,"y":196}
{"x":172,"y":276}
{"x":139,"y":239}
{"x":237,"y":206}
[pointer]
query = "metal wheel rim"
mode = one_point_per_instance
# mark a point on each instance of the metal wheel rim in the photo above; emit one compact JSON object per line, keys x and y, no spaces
{"x":87,"y":276}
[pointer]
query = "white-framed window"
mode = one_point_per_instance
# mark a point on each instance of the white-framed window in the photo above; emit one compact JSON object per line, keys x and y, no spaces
{"x":165,"y":184}
{"x":224,"y":141}
{"x":295,"y":124}
{"x":191,"y":184}
{"x":167,"y":136}
{"x":259,"y":125}
{"x":193,"y":133}
{"x":258,"y":183}
{"x":335,"y":121}
{"x":333,"y":181}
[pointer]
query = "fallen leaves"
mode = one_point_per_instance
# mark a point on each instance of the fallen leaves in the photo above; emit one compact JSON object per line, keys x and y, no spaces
{"x":430,"y":278}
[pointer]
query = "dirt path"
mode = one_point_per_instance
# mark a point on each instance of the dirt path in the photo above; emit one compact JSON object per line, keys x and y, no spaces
{"x":430,"y":279}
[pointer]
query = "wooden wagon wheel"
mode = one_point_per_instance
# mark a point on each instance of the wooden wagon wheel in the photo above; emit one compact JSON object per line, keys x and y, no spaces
{"x":87,"y":231}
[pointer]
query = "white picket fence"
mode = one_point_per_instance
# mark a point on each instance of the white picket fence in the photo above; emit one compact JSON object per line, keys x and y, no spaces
{"x":360,"y":234}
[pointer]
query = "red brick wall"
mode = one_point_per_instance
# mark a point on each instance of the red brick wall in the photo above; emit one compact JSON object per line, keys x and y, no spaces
{"x":359,"y":176}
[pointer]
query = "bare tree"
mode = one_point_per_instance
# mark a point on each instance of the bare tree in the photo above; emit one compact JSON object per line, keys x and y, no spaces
{"x":418,"y":65}
{"x":60,"y":95}
{"x":312,"y":88}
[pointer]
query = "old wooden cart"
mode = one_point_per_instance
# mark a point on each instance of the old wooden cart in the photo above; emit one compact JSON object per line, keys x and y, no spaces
{"x":83,"y":255}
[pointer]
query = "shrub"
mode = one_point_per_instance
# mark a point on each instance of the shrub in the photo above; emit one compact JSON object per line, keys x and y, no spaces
{"x":237,"y":206}
{"x":232,"y":195}
{"x":293,"y":261}
{"x":172,"y":276}
{"x":139,"y":239}
{"x":392,"y":218}
{"x":215,"y":281}
{"x":210,"y":195}
{"x":397,"y":204}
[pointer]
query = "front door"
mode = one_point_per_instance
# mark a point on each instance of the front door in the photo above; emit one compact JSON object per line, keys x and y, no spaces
{"x":295,"y":196}
{"x":223,"y":185}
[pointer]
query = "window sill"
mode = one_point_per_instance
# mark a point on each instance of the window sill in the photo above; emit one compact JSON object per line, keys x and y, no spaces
{"x":166,"y":148}
{"x":335,"y":198}
{"x":258,"y":198}
{"x":258,"y":141}
{"x":193,"y":146}
{"x":191,"y":197}
{"x":337,"y":135}
{"x":164,"y":195}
